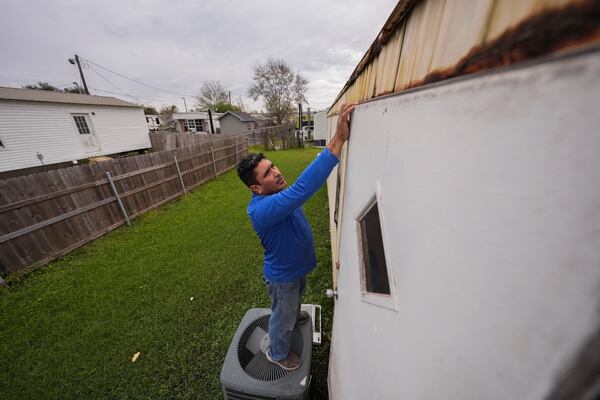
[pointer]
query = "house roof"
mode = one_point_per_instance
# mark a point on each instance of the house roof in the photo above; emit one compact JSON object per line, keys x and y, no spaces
{"x":242,"y":116}
{"x":196,"y":115}
{"x":47,"y":96}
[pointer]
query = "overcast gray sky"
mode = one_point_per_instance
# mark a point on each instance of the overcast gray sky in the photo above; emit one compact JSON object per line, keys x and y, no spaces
{"x":178,"y":45}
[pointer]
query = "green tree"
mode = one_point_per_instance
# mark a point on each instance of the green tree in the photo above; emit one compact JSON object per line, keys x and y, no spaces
{"x":280,"y":88}
{"x":224,"y":106}
{"x":149,"y":110}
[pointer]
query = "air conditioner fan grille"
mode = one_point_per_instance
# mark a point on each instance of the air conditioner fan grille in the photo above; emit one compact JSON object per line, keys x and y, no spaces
{"x":252,"y":360}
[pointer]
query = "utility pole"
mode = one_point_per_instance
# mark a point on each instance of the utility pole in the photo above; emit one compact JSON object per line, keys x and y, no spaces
{"x":309,"y":126}
{"x":230,"y":99}
{"x":212,"y":127}
{"x":184,"y":104}
{"x":76,"y":62}
{"x":300,"y":116}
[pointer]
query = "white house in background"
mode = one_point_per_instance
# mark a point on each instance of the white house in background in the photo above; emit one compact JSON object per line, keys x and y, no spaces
{"x":320,"y":131}
{"x":40,"y":127}
{"x":196,"y":122}
{"x":154,"y":122}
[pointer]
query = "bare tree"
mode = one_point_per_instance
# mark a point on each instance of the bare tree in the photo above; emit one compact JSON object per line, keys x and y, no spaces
{"x":280,"y":88}
{"x":211,"y":94}
{"x":166,"y":112}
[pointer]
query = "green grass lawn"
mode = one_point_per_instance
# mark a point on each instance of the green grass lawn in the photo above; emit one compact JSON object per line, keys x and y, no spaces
{"x":70,"y":329}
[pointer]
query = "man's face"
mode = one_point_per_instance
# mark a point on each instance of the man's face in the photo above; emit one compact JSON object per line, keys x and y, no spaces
{"x":269,"y":178}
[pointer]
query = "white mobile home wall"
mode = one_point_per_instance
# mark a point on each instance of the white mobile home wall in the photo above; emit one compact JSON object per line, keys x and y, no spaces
{"x":48,"y":128}
{"x":489,"y":200}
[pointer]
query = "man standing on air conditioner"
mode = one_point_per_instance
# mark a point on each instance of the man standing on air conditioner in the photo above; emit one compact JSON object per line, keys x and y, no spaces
{"x":284,"y":232}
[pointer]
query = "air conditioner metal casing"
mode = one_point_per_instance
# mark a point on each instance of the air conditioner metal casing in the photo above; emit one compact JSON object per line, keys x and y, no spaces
{"x":288,"y":385}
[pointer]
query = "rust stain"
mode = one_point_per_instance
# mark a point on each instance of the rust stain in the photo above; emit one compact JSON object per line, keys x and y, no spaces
{"x":541,"y":34}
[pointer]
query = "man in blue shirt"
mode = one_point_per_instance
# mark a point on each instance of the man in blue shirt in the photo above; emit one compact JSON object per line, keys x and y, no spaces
{"x":284,"y":232}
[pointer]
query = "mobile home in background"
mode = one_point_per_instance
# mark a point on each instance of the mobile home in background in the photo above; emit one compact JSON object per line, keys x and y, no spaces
{"x":40,"y":128}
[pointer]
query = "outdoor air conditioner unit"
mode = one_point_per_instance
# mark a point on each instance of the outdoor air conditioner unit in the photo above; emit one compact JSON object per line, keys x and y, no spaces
{"x":247,"y":374}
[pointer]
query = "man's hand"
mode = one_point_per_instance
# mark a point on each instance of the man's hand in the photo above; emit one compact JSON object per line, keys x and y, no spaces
{"x":342,"y":132}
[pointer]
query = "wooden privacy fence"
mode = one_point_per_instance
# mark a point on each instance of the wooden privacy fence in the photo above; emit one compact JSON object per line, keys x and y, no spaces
{"x":46,"y":215}
{"x":271,"y":137}
{"x":171,"y":141}
{"x":281,"y":137}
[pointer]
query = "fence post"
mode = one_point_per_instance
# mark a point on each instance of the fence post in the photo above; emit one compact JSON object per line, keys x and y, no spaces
{"x":179,"y":172}
{"x":212,"y":151}
{"x":114,"y":188}
{"x":236,"y":153}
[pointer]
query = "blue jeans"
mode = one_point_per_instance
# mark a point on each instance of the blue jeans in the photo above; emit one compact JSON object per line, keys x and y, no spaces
{"x":285,"y":305}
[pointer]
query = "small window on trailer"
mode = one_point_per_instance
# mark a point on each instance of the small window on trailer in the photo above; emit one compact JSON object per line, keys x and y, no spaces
{"x":375,"y":270}
{"x":157,"y":121}
{"x":82,"y":125}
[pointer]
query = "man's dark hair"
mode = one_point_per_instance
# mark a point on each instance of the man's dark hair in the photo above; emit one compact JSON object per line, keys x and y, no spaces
{"x":246,"y":166}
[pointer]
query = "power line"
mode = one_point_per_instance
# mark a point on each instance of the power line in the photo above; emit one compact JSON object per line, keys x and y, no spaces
{"x":120,"y":94}
{"x":136,"y":81}
{"x":115,"y":86}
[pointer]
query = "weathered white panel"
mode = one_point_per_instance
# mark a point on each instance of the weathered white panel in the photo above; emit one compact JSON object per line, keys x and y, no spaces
{"x":320,"y":132}
{"x":30,"y":127}
{"x":491,"y":213}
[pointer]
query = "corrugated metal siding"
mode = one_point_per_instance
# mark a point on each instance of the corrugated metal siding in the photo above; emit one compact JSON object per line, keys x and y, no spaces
{"x":436,"y":35}
{"x":387,"y":66}
{"x":27,"y":128}
{"x":420,"y":38}
{"x":508,"y":13}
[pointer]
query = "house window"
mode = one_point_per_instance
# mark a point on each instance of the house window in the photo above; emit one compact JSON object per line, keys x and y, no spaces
{"x":157,"y":122}
{"x":82,"y":125}
{"x":147,"y":120}
{"x":373,"y":255}
{"x":193,"y":125}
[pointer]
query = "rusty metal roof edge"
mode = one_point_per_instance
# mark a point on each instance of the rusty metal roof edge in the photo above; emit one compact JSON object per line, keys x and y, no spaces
{"x":552,"y":57}
{"x":394,"y":20}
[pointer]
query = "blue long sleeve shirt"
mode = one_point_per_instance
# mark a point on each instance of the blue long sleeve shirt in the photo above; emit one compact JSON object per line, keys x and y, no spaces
{"x":282,"y":227}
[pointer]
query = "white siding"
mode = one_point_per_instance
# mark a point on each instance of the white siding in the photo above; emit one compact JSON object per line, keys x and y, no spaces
{"x":490,"y":204}
{"x":48,"y":128}
{"x":320,"y":132}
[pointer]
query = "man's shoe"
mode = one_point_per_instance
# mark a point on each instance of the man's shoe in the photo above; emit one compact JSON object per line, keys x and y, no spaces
{"x":303,"y":316}
{"x":291,"y":363}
